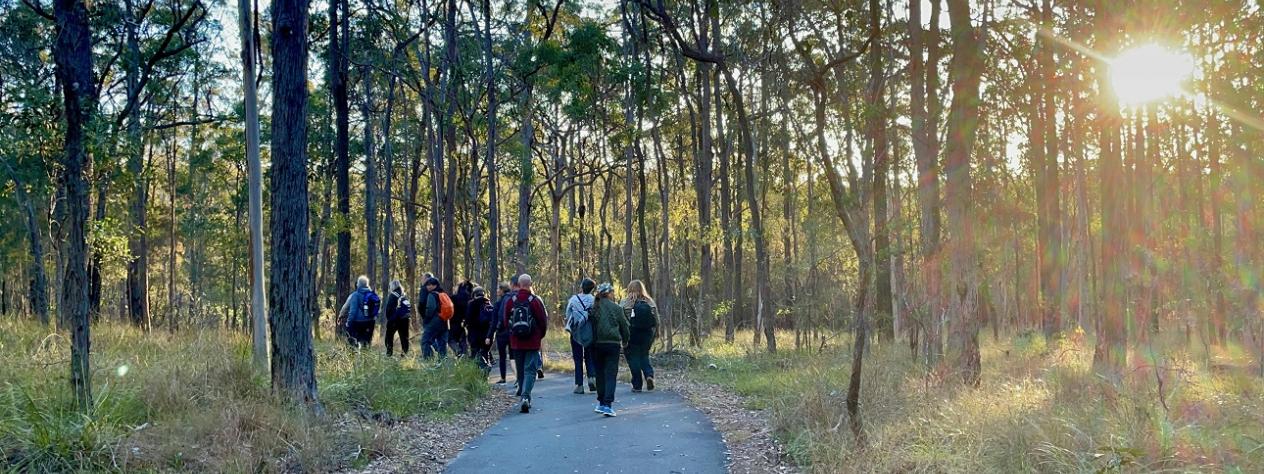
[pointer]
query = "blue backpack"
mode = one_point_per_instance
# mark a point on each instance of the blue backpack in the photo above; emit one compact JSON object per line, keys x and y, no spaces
{"x":366,"y":308}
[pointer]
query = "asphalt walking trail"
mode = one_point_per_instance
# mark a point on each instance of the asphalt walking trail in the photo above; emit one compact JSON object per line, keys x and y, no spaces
{"x":655,"y":432}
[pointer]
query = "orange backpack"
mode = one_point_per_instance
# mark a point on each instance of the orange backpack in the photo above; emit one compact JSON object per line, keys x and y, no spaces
{"x":445,"y":307}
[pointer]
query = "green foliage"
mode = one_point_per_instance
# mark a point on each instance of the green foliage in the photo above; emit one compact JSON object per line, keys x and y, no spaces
{"x":369,"y":380}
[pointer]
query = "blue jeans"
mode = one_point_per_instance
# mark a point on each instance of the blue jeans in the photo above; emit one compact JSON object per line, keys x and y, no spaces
{"x":583,"y":358}
{"x":527,"y":363}
{"x":434,"y":340}
{"x":639,"y":364}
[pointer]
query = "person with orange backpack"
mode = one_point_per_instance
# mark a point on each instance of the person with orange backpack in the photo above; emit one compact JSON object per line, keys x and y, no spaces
{"x":434,"y":320}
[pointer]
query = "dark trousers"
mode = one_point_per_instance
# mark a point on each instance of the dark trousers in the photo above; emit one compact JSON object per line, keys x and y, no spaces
{"x":360,"y":333}
{"x":458,"y":343}
{"x":606,"y":361}
{"x":639,"y":364}
{"x":397,"y":326}
{"x":433,"y":340}
{"x":582,"y":357}
{"x":502,"y":349}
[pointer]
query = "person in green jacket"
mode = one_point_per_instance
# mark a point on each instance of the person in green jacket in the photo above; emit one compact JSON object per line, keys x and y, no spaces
{"x":610,"y":335}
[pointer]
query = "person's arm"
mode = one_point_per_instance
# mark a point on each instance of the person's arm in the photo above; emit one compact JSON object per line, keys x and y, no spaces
{"x":432,"y":306}
{"x":542,"y":317}
{"x":346,"y":308}
{"x":624,"y":331}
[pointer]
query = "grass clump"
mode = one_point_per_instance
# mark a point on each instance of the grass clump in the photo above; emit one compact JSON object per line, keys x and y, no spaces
{"x":1040,"y":408}
{"x":191,"y":402}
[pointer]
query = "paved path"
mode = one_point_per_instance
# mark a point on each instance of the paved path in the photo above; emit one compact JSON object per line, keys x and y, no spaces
{"x":655,"y":432}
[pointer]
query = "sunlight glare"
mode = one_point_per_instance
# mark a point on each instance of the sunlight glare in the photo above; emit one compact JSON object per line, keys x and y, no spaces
{"x":1148,"y":73}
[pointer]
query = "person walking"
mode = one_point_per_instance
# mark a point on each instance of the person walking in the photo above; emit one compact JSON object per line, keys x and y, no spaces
{"x":499,"y":332}
{"x":480,"y":312}
{"x":360,"y":313}
{"x":580,"y":329}
{"x":610,"y":333}
{"x":528,"y":322}
{"x":398,"y":313}
{"x":642,"y":316}
{"x":434,"y":335}
{"x":457,"y":327}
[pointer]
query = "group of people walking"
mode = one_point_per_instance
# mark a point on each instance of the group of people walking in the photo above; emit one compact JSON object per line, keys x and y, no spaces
{"x":600,"y":328}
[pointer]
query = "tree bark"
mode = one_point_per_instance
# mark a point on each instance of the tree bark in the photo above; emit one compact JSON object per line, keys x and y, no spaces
{"x":138,"y":243}
{"x":72,"y":52}
{"x":339,"y":64}
{"x":293,"y":360}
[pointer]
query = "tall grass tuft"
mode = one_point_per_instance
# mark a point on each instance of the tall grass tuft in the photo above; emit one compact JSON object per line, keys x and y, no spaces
{"x":190,"y":402}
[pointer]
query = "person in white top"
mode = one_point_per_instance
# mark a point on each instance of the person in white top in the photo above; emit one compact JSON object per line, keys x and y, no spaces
{"x":580,"y":329}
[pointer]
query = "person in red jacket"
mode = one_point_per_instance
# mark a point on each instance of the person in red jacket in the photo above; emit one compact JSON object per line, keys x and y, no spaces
{"x":527,"y":320}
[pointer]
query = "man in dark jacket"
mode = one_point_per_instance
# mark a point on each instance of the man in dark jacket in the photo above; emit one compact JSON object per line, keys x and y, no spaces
{"x":434,"y":335}
{"x":526,"y":346}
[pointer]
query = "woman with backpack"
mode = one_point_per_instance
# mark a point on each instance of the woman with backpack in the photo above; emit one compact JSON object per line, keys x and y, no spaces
{"x":610,"y":334}
{"x":580,"y":329}
{"x":398,"y":310}
{"x":643,"y":319}
{"x":498,"y":333}
{"x":479,"y":315}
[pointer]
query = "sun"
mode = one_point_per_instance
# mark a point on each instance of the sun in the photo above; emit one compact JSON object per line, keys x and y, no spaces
{"x":1148,"y":73}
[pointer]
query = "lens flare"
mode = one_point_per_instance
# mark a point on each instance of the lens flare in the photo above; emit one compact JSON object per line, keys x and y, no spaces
{"x":1148,"y":73}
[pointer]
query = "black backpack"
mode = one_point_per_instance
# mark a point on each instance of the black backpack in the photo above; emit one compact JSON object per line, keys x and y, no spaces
{"x":521,"y":322}
{"x":402,"y":310}
{"x":643,"y":315}
{"x":487,"y":314}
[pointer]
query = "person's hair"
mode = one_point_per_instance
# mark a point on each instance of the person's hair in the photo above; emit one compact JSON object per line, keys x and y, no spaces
{"x":637,"y":292}
{"x":362,"y":281}
{"x":396,"y":285}
{"x":505,"y":288}
{"x":479,"y":292}
{"x":524,"y":281}
{"x":466,"y":285}
{"x":426,"y":276}
{"x":586,"y":286}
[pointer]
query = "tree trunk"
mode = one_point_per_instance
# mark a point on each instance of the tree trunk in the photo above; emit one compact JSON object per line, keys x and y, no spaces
{"x":293,"y":360}
{"x":448,"y":273}
{"x":1049,"y":237}
{"x":339,"y":63}
{"x":38,"y":286}
{"x":876,"y":129}
{"x":259,"y":353}
{"x":492,"y":183}
{"x":370,"y":179}
{"x":72,"y":52}
{"x":965,"y":71}
{"x":1110,"y":353}
{"x":138,"y":243}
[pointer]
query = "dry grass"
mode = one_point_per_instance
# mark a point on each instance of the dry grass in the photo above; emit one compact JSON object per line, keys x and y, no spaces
{"x":1040,"y":409}
{"x":191,"y":402}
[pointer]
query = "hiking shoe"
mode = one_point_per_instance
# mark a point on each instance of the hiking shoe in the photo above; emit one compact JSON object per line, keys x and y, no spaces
{"x":597,"y":408}
{"x":579,"y":390}
{"x":539,"y":374}
{"x":608,"y":411}
{"x":649,"y":383}
{"x":526,"y":406}
{"x":501,"y":382}
{"x":636,"y":390}
{"x":592,"y":384}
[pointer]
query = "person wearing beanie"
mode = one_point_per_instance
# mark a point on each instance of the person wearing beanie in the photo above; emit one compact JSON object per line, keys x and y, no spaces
{"x":610,"y":334}
{"x":479,"y":315}
{"x":434,"y":334}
